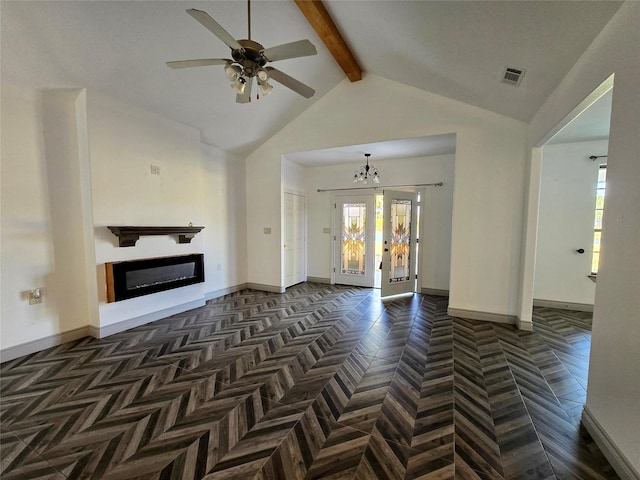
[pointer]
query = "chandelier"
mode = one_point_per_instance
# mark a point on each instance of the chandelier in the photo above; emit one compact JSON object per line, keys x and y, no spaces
{"x":366,"y":172}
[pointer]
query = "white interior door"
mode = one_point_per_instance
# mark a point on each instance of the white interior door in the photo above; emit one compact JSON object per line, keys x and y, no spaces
{"x":399,"y":234}
{"x":354,"y":229}
{"x":294,"y":240}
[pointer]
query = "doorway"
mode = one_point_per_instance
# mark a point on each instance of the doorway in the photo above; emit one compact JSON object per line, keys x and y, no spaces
{"x":376,"y":240}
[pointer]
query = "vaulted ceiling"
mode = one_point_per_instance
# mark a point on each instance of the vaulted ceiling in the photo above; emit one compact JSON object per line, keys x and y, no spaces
{"x":452,"y":48}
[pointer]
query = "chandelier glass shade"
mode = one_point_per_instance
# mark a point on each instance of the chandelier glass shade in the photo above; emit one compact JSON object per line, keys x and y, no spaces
{"x":366,"y":172}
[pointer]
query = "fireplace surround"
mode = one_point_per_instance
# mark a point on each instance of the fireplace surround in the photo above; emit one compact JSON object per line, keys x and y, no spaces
{"x":135,"y":278}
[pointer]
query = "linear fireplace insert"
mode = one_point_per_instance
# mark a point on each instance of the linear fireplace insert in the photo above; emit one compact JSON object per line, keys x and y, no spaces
{"x":136,"y":278}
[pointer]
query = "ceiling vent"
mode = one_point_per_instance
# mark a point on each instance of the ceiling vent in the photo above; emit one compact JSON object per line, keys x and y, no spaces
{"x":513,"y":75}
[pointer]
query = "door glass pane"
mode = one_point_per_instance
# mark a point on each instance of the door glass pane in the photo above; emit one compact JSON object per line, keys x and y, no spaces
{"x":596,"y":241}
{"x":598,"y":223}
{"x":353,"y":238}
{"x":400,"y":240}
{"x":594,"y":262}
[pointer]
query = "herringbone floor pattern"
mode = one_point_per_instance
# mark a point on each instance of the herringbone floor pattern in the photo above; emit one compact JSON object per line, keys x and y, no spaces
{"x":319,"y":382}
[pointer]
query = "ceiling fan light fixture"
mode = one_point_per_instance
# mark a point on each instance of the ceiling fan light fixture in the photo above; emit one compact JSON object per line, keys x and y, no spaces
{"x":265,"y":88}
{"x":232,"y":71}
{"x":239,"y":85}
{"x":263,"y":75}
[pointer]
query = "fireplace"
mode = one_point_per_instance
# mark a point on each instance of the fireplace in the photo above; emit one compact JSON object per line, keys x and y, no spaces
{"x":136,"y":278}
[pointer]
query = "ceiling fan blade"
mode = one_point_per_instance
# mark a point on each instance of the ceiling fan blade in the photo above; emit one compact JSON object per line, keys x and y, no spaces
{"x":246,"y":96}
{"x":301,"y":48}
{"x":215,"y":28}
{"x":203,"y":62}
{"x":290,"y":82}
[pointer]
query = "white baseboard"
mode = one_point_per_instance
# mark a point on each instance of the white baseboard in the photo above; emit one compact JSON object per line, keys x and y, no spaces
{"x":484,"y":316}
{"x":524,"y":325}
{"x":55,"y":340}
{"x":319,"y":280}
{"x":224,"y":291}
{"x":434,"y":291}
{"x":143,"y":319}
{"x":34,"y":346}
{"x":579,"y":307}
{"x":266,"y":288}
{"x":617,"y":459}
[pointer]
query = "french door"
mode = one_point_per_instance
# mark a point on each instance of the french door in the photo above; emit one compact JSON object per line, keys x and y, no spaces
{"x":356,"y":234}
{"x":400,"y":234}
{"x":354,"y":240}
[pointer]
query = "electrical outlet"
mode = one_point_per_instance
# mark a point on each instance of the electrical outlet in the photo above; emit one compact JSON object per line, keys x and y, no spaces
{"x":326,"y":230}
{"x":267,"y":230}
{"x":155,"y":170}
{"x":35,"y":296}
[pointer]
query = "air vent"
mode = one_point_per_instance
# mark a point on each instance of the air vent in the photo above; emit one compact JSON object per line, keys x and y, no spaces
{"x":513,"y":76}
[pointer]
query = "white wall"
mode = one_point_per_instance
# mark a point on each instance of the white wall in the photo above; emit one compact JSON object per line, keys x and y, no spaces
{"x":27,"y":253}
{"x":437,"y":204}
{"x":294,"y":177}
{"x":46,"y":217}
{"x":70,"y":159}
{"x":264,"y":191}
{"x":614,"y":374}
{"x":224,"y":207}
{"x":124,"y":142}
{"x":566,"y":215}
{"x":489,"y":177}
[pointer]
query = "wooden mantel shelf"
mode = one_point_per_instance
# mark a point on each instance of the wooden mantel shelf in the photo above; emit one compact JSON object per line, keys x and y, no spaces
{"x":128,"y":236}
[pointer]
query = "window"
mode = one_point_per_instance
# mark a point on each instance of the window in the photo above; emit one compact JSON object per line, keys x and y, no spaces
{"x":597,"y":224}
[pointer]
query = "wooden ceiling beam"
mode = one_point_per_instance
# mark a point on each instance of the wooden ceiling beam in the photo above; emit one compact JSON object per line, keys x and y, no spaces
{"x":319,"y":19}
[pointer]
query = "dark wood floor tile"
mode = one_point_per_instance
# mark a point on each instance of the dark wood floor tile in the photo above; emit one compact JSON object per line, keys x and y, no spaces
{"x":383,"y":459}
{"x":365,"y":404}
{"x":437,"y":463}
{"x":464,"y":460}
{"x":340,"y":455}
{"x":18,"y":461}
{"x":322,"y":381}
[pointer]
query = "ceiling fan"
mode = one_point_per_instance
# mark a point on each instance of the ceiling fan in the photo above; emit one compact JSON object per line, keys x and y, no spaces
{"x":249,"y":60}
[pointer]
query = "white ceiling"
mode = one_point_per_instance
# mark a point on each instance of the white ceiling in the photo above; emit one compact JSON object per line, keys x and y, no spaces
{"x":391,"y":149}
{"x":592,"y":124}
{"x":455,"y":49}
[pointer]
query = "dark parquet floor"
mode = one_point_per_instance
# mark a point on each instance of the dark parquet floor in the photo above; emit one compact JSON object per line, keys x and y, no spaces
{"x":319,"y":382}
